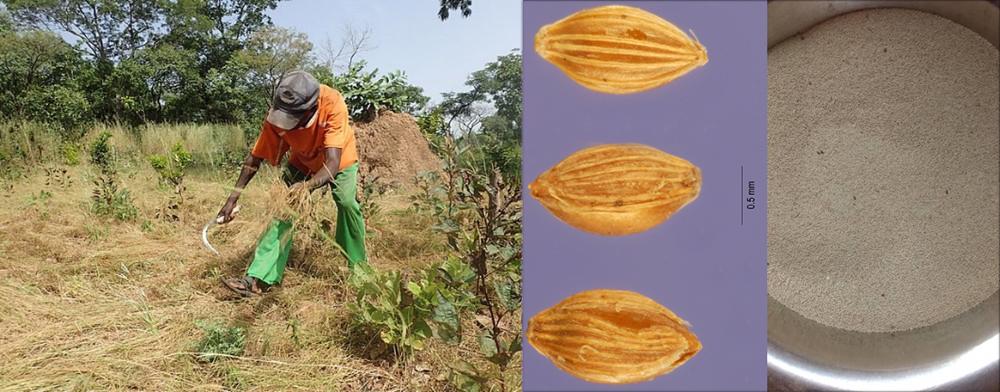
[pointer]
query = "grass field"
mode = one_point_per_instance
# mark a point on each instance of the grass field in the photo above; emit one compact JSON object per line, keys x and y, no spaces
{"x":92,"y":303}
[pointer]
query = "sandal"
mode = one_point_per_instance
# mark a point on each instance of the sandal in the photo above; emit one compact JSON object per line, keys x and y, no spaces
{"x":245,"y":286}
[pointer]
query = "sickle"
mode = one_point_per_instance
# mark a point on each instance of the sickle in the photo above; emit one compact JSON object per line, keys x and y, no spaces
{"x":204,"y":231}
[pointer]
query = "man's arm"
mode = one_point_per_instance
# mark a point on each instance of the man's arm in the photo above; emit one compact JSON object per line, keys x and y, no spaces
{"x":330,"y":168}
{"x":250,"y":167}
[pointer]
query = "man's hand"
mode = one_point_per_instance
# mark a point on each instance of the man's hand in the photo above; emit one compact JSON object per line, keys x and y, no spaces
{"x":226,"y":213}
{"x":250,"y":166}
{"x":327,"y":172}
{"x":301,"y":186}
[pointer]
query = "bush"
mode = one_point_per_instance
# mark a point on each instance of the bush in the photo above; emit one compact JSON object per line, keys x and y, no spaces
{"x":171,"y":168}
{"x":366,"y":93}
{"x":433,"y":127}
{"x":25,"y":144}
{"x":219,"y":340}
{"x":101,"y":154}
{"x":64,"y":108}
{"x":111,"y":201}
{"x":71,"y":154}
{"x":407,"y":313}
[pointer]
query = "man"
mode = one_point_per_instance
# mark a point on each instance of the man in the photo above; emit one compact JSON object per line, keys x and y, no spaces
{"x":311,"y":121}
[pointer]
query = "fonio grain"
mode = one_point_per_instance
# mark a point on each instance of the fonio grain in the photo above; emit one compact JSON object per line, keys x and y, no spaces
{"x":612,"y":337}
{"x":619,"y":49}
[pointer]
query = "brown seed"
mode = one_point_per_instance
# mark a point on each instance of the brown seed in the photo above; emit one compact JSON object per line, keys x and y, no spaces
{"x":612,"y":337}
{"x":619,"y":49}
{"x":617,"y":189}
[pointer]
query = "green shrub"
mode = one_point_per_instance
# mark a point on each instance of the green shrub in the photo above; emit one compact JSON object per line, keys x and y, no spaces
{"x":366,"y":93}
{"x":101,"y":153}
{"x":171,"y":168}
{"x":62,"y":107}
{"x":71,"y":154}
{"x":407,"y":314}
{"x":111,"y":201}
{"x":433,"y":126}
{"x":219,"y":340}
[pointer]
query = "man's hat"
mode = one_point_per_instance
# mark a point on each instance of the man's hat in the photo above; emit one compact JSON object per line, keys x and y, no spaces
{"x":297,"y":92}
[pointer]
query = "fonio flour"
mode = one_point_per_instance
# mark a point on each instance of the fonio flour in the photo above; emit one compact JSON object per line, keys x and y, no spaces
{"x":883,"y":171}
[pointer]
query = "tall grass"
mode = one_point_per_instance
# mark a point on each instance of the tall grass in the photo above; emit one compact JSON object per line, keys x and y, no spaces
{"x":26,"y":144}
{"x":215,"y":146}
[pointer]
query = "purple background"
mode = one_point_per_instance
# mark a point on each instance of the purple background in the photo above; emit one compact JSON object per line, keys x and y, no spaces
{"x":702,"y":263}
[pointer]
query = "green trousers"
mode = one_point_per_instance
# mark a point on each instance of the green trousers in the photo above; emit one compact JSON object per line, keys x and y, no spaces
{"x":272,"y":250}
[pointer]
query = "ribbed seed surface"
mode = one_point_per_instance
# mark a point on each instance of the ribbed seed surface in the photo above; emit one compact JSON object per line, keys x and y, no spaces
{"x":617,"y":189}
{"x":619,"y":49}
{"x":612,"y":337}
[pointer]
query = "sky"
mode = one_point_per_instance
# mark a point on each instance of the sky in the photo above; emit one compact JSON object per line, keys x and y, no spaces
{"x":408,"y":35}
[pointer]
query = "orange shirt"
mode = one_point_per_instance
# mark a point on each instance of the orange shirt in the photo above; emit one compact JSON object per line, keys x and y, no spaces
{"x":308,"y":145}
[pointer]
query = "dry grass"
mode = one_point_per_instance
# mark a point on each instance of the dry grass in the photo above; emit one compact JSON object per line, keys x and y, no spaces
{"x":94,"y":304}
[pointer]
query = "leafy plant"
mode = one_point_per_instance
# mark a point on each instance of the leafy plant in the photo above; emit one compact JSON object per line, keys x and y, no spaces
{"x":479,"y":212}
{"x":379,"y":305}
{"x":171,"y":170}
{"x":108,"y":199}
{"x":366,"y":93}
{"x":434,"y":128}
{"x":57,"y":177}
{"x":372,"y":190}
{"x":101,"y":153}
{"x":219,"y":340}
{"x":71,"y":154}
{"x":466,"y":377}
{"x":407,"y":314}
{"x":40,"y":202}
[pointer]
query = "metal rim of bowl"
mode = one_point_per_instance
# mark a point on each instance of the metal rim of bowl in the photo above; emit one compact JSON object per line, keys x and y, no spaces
{"x":938,"y":356}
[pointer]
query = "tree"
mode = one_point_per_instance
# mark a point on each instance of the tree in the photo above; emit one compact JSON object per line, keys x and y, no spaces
{"x":340,"y":56}
{"x":37,"y":80}
{"x":6,"y":23}
{"x":272,"y":52}
{"x":215,"y":29}
{"x":234,"y":100}
{"x":160,"y":83}
{"x":108,"y":30}
{"x":215,"y":32}
{"x":488,"y":116}
{"x":465,"y":6}
{"x":499,"y":83}
{"x":367,"y":93}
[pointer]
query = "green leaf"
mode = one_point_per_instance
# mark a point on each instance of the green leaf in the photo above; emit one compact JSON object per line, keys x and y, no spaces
{"x":457,"y":271}
{"x":487,"y":346}
{"x":422,"y":329}
{"x":388,"y":337}
{"x":505,"y":290}
{"x":492,"y":249}
{"x":507,"y":252}
{"x":414,"y":288}
{"x":445,"y":315}
{"x":465,"y":377}
{"x":515,"y":345}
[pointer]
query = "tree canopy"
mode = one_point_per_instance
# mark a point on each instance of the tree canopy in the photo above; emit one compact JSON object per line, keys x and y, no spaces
{"x":463,"y":6}
{"x":488,"y":115}
{"x":139,"y":61}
